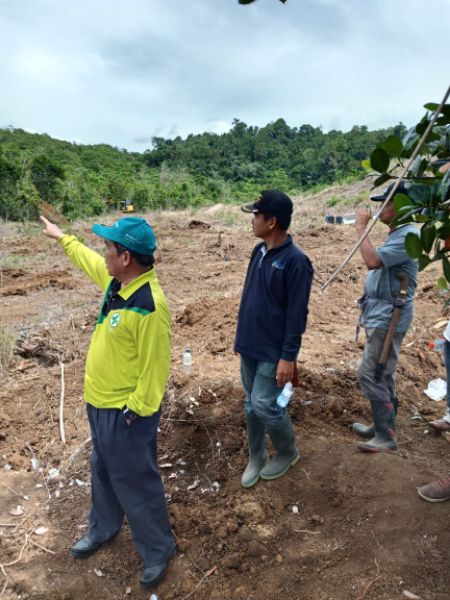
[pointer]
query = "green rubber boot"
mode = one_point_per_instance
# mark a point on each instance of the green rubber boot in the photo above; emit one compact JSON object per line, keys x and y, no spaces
{"x":287,"y":453}
{"x":364,"y":431}
{"x":385,"y":439}
{"x":257,"y":451}
{"x":368,"y":431}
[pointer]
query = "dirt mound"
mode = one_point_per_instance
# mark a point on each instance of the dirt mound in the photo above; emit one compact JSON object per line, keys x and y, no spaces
{"x":216,"y":317}
{"x":17,"y":282}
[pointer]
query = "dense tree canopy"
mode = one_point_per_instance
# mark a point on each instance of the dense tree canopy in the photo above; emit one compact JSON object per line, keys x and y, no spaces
{"x":81,"y":180}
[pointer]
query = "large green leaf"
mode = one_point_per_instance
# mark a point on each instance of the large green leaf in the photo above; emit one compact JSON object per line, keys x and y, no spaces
{"x":427,"y":237}
{"x":419,"y":166}
{"x":446,"y":268}
{"x":432,"y":137}
{"x":420,"y":194}
{"x":444,"y":231}
{"x":413,"y":245}
{"x":443,"y":120}
{"x":379,"y":160}
{"x":380,"y":180}
{"x":442,"y":283}
{"x":433,"y":106}
{"x":402,"y":203}
{"x":444,"y":187}
{"x":421,"y":127}
{"x":424,"y":261}
{"x":409,"y":142}
{"x":393,"y":145}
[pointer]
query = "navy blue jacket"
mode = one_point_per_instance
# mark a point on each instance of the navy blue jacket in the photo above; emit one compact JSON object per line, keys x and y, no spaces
{"x":274,"y":304}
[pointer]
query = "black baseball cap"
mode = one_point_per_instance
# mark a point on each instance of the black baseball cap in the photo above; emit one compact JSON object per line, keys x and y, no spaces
{"x":402,"y":189}
{"x":271,"y":202}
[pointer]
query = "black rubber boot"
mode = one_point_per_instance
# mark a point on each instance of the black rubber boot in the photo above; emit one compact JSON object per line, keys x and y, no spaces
{"x":287,"y":454}
{"x":257,"y":451}
{"x":385,"y":439}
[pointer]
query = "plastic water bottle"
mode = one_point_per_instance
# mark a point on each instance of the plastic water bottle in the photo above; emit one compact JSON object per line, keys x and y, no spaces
{"x":187,"y":360}
{"x":437,"y":345}
{"x":285,"y":395}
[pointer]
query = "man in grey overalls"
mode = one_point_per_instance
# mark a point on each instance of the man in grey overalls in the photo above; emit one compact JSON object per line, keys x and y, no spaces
{"x":380,"y":290}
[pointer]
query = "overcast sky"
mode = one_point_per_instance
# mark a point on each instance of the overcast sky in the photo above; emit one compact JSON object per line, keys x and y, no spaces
{"x":123,"y":71}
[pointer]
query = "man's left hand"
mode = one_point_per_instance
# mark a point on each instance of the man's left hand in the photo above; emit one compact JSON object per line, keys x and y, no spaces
{"x":363,"y":216}
{"x":285,"y":372}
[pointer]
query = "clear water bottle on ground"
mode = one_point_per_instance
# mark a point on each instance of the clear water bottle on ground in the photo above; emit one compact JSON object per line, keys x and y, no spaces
{"x":437,"y":345}
{"x":187,"y":360}
{"x":285,"y":395}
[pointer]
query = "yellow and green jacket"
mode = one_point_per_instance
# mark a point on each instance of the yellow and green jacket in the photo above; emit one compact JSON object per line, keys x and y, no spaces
{"x":128,"y":360}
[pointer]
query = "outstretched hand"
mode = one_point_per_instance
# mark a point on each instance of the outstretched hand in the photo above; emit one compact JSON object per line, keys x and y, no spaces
{"x":51,"y":230}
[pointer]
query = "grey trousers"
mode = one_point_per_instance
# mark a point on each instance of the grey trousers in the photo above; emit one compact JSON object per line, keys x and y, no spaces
{"x":383,"y":390}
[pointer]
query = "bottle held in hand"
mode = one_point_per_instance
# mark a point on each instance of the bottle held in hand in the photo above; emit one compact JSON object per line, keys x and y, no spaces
{"x":285,"y":395}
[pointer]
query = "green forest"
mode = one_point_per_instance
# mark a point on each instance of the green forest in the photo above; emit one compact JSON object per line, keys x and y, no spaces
{"x":85,"y":180}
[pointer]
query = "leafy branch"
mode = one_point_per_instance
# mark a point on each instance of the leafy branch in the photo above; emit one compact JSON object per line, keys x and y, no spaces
{"x":428,"y":184}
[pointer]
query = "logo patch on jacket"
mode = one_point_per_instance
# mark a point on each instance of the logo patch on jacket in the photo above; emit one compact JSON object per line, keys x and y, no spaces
{"x":276,"y":264}
{"x":114,"y":320}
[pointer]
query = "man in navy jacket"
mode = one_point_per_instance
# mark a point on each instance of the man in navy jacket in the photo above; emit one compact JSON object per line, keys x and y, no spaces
{"x":272,"y":319}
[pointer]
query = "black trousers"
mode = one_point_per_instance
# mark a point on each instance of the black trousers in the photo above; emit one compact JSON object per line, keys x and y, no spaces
{"x":126,"y":482}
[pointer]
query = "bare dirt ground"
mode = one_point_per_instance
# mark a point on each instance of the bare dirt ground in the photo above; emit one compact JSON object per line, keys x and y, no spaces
{"x":361,"y":530}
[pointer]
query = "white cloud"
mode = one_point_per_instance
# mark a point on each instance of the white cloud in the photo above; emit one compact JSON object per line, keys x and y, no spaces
{"x":121,"y":72}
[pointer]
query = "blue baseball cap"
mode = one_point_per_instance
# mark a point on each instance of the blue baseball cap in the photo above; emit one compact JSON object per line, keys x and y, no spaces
{"x":133,"y":233}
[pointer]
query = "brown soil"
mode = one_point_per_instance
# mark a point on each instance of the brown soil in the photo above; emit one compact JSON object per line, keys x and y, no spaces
{"x":361,"y":530}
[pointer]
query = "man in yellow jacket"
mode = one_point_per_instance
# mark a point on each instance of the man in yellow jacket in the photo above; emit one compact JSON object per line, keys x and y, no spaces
{"x":127,"y":368}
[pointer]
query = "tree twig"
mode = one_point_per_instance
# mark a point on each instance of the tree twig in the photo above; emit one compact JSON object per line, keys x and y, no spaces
{"x":18,"y":559}
{"x":368,"y":586}
{"x":391,"y":194}
{"x":205,"y":576}
{"x":41,"y":547}
{"x":61,"y":407}
{"x":307,"y":531}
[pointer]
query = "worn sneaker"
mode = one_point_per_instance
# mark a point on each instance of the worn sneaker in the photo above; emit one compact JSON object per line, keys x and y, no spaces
{"x":438,"y":491}
{"x":440,"y":425}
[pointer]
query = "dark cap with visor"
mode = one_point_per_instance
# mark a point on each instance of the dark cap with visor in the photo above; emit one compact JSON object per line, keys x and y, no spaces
{"x":271,"y":202}
{"x":402,"y":189}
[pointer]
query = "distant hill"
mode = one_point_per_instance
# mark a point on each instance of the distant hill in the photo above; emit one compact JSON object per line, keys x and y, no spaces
{"x":84,"y":180}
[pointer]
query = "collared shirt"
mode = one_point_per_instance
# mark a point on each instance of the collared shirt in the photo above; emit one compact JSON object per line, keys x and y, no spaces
{"x":381,"y":285}
{"x":274,"y":304}
{"x":128,"y":360}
